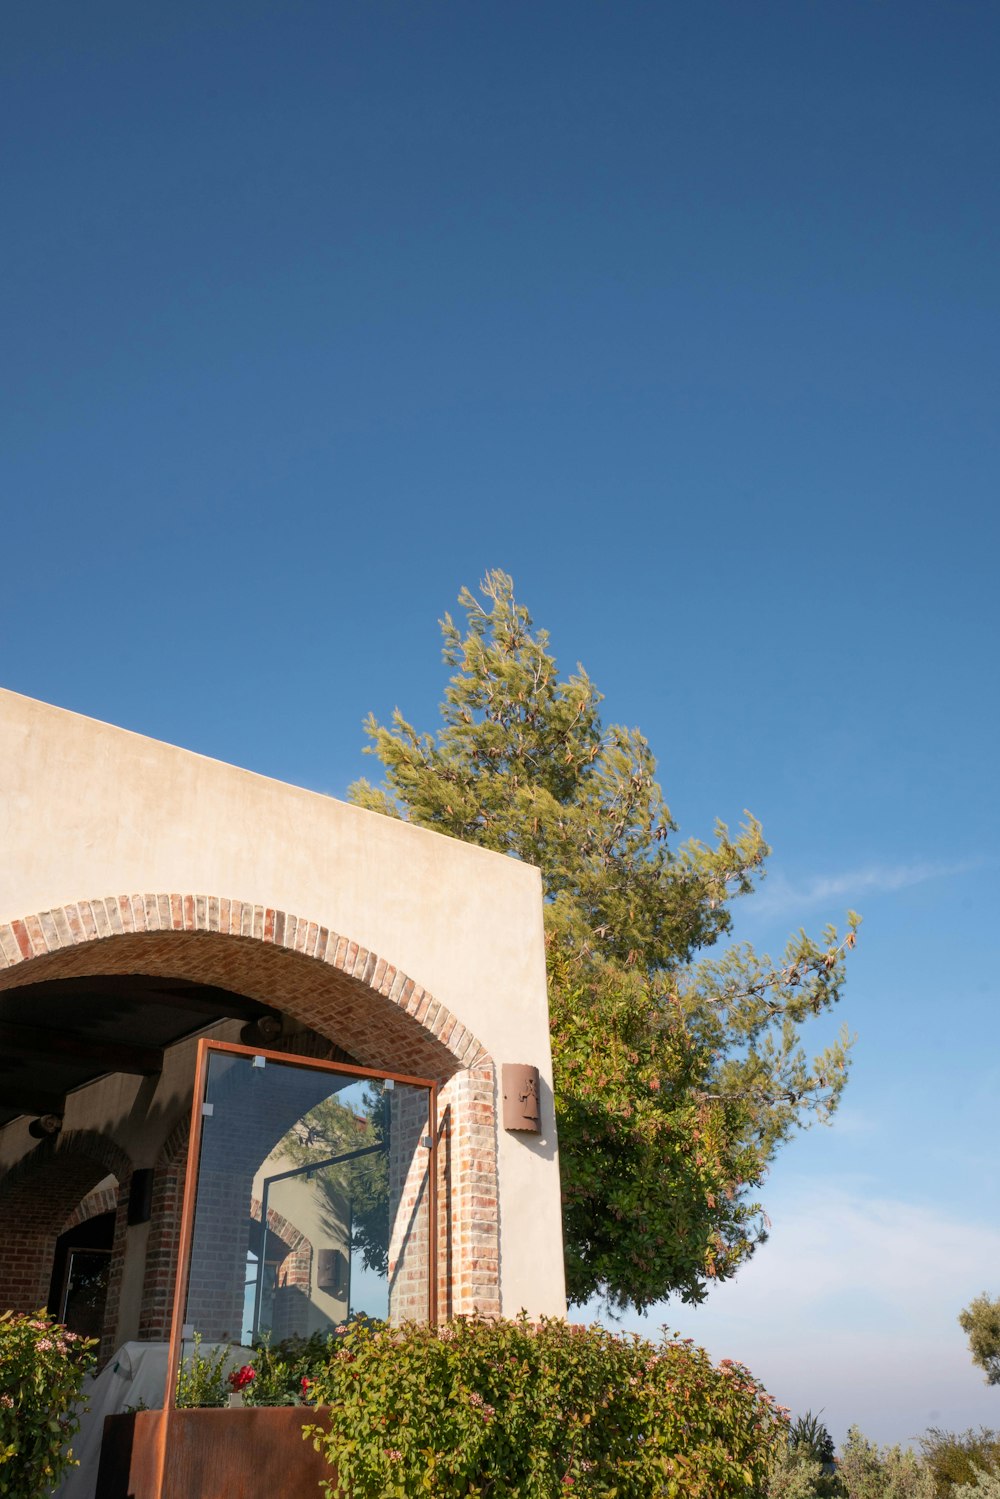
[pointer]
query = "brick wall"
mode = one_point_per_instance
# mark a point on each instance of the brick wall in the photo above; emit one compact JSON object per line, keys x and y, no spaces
{"x":40,"y":1198}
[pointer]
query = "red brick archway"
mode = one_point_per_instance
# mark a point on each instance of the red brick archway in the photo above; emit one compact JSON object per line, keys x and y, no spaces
{"x":268,"y":954}
{"x":41,"y":1196}
{"x":328,"y":983}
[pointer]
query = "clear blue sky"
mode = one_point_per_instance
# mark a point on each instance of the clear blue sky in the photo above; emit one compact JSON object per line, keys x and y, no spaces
{"x":687,"y":316}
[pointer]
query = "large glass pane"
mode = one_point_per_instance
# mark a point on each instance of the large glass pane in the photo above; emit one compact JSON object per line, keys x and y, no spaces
{"x":312,"y":1202}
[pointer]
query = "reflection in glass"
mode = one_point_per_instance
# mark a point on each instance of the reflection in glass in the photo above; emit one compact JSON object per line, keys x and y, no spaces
{"x":312,"y":1201}
{"x":86,"y":1291}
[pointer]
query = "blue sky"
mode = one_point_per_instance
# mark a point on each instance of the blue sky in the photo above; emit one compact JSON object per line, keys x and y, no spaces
{"x":685,"y":316}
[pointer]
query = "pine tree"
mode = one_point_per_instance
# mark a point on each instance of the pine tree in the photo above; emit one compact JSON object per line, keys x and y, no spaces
{"x":677,"y":1073}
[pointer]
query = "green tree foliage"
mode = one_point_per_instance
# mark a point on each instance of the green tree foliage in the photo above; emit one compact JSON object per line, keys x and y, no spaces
{"x":362,"y":1186}
{"x":980,"y":1321}
{"x":960,"y":1460}
{"x":679,"y":1070}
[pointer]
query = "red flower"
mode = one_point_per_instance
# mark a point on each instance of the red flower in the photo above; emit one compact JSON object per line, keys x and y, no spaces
{"x":240,"y":1378}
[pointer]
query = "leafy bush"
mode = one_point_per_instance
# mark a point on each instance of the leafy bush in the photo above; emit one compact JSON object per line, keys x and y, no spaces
{"x":276,"y":1373}
{"x":796,"y":1475}
{"x":523,"y":1411}
{"x":201,"y":1378}
{"x":285,"y":1372}
{"x":869,"y":1472}
{"x":956,"y":1460}
{"x":986,"y":1486}
{"x":41,"y":1371}
{"x":811,"y":1445}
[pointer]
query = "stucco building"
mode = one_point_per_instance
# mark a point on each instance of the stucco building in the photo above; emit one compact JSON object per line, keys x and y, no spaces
{"x":150,"y":897}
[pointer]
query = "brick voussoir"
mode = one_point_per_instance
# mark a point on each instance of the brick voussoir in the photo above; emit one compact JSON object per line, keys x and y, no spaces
{"x":10,"y":948}
{"x":47,"y":927}
{"x":75,"y":923}
{"x":99,"y":911}
{"x":416,"y":1002}
{"x":64,"y":933}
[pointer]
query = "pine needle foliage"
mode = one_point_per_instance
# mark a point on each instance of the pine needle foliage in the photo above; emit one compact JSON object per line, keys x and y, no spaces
{"x":678,"y":1070}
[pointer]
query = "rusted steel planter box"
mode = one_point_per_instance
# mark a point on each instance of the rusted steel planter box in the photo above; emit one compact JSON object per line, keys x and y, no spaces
{"x":252,"y":1453}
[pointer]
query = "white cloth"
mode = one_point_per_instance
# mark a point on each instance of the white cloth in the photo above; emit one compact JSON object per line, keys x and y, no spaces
{"x":137,"y":1375}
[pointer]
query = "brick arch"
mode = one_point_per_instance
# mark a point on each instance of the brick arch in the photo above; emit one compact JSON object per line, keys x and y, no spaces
{"x":94,"y":1205}
{"x":290,"y":1236}
{"x":39,"y":1197}
{"x":322,"y":979}
{"x":72,"y":1162}
{"x":382,"y":1017}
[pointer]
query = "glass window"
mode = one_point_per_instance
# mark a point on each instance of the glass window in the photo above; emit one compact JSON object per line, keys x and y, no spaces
{"x":312,"y":1202}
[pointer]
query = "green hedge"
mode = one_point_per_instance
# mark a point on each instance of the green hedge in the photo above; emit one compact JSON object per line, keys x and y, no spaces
{"x":515,"y":1410}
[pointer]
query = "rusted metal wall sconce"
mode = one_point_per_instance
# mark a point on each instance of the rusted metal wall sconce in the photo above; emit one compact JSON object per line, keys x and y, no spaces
{"x":521,"y":1108}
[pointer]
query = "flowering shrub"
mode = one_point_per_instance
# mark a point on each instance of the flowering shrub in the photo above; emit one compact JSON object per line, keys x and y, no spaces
{"x":41,"y":1371}
{"x":238,"y":1379}
{"x":529,"y":1411}
{"x":284,"y":1371}
{"x":279,"y":1374}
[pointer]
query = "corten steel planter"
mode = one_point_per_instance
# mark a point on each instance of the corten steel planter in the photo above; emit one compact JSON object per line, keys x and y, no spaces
{"x":254,"y":1453}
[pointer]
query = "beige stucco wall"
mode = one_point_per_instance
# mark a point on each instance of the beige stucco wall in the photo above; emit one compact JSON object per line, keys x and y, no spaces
{"x":88,"y":810}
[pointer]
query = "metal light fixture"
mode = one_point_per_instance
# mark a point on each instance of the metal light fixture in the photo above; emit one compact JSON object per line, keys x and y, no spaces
{"x":262,"y":1031}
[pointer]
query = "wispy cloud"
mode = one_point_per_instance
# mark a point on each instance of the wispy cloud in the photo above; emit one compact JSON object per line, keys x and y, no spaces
{"x":852,"y":1307}
{"x":780,"y":896}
